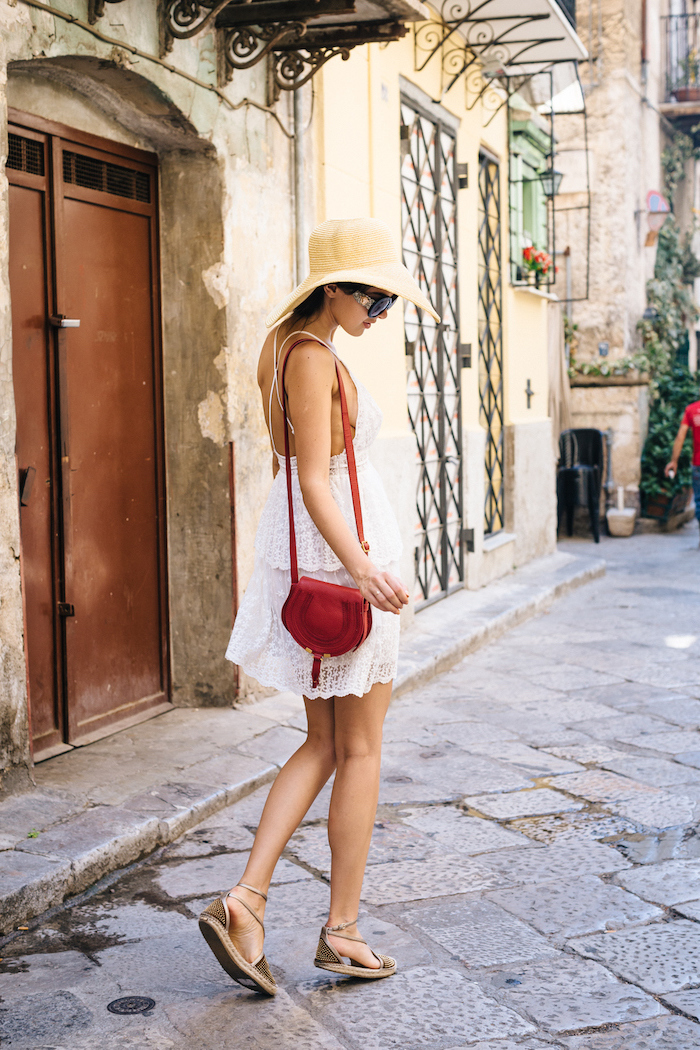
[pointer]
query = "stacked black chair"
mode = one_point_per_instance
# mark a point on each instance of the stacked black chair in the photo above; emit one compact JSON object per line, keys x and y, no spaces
{"x":580,"y":476}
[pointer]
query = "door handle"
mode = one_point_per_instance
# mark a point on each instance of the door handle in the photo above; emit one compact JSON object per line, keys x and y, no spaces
{"x":26,"y":480}
{"x":61,"y":321}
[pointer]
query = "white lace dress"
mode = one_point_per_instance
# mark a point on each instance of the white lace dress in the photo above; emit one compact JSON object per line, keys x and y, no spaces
{"x":260,"y":643}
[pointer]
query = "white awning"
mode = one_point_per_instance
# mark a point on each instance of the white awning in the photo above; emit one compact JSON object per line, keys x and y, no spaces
{"x":516,"y":36}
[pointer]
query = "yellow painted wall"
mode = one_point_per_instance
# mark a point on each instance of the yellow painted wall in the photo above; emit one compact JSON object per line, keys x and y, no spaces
{"x":358,"y":173}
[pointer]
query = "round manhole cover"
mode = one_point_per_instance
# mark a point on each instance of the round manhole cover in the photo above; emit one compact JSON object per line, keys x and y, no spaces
{"x":131,"y":1004}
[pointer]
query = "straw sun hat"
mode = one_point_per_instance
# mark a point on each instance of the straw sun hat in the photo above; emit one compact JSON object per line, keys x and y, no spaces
{"x":360,"y":251}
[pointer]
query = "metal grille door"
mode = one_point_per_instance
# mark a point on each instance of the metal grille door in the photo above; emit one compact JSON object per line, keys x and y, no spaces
{"x":491,"y":337}
{"x":429,"y":207}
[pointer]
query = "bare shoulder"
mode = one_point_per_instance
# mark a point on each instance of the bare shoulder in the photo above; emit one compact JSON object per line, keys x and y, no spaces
{"x":312,"y":364}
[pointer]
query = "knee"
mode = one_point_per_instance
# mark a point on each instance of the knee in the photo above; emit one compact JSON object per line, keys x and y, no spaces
{"x":357,"y":750}
{"x":323,"y":746}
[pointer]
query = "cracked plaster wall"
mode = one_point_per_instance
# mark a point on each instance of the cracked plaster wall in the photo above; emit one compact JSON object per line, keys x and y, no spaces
{"x":226,"y":246}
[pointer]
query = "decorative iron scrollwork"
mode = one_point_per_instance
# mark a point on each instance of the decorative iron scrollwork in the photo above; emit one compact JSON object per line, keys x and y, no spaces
{"x":187,"y":18}
{"x":468,"y":33}
{"x":247,"y":32}
{"x":96,"y":9}
{"x":246,"y":45}
{"x":294,"y":68}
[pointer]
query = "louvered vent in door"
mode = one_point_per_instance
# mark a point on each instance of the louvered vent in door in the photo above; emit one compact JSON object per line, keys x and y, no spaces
{"x":25,"y":155}
{"x":94,"y":174}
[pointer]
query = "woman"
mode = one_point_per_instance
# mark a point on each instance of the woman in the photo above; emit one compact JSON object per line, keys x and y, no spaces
{"x":355,"y":277}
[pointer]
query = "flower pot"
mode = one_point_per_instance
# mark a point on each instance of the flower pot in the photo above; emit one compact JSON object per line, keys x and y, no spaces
{"x":663,"y":506}
{"x":687,"y":94}
{"x":621,"y":522}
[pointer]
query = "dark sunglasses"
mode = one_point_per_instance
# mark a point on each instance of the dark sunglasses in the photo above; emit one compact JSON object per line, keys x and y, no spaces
{"x":374,"y":307}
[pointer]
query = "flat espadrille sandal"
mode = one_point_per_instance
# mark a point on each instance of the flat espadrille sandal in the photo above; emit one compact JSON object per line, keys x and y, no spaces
{"x":214,"y":923}
{"x":327,"y":957}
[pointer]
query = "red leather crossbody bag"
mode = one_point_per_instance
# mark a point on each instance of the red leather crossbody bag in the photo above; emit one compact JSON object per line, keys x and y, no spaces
{"x":326,"y":619}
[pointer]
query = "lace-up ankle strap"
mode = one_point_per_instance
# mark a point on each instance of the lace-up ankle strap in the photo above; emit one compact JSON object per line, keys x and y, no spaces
{"x":259,"y":892}
{"x":335,"y":931}
{"x":342,"y":925}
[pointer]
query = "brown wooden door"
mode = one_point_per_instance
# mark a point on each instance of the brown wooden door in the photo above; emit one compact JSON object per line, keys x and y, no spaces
{"x":102,"y":385}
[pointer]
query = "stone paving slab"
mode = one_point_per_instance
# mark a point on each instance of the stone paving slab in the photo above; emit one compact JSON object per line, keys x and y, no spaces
{"x":663,"y":957}
{"x":424,"y":1009}
{"x":669,"y":883}
{"x":663,"y":1033}
{"x":479,"y":933}
{"x":688,"y":1002}
{"x":533,"y":762}
{"x":570,"y":907}
{"x":690,"y":909}
{"x":672,"y":742}
{"x":574,"y":827}
{"x":451,"y":827}
{"x":280,"y":1022}
{"x":522,"y":803}
{"x":439,"y":765}
{"x":658,"y":772}
{"x":544,"y":991}
{"x":410,"y":880}
{"x":555,"y":861}
{"x":640,"y":802}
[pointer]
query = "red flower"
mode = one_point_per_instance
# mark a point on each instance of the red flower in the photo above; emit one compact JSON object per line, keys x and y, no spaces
{"x":528,"y":253}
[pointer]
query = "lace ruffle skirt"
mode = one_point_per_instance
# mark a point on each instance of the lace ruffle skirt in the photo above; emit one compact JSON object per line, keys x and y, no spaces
{"x":260,"y":643}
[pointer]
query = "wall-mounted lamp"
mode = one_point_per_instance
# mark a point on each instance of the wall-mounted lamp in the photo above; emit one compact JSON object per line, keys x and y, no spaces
{"x":551,"y":181}
{"x":650,"y":314}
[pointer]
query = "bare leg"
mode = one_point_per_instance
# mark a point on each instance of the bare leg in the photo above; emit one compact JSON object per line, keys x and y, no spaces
{"x":296,"y":786}
{"x":358,"y":745}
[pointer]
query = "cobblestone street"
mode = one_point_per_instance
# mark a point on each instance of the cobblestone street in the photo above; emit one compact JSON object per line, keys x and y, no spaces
{"x":535,"y":867}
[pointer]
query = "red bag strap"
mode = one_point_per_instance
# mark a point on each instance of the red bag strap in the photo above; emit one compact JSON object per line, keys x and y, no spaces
{"x":349,"y":450}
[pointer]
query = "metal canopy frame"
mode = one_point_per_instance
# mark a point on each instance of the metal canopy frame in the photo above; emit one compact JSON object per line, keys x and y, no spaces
{"x":474,"y":40}
{"x":298,"y":36}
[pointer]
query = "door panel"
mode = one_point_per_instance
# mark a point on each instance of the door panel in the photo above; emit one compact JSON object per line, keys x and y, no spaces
{"x":111,"y":544}
{"x":89,"y":421}
{"x":31,"y":368}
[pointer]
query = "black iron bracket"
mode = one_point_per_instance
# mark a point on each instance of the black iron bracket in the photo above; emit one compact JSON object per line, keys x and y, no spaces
{"x":96,"y":9}
{"x":285,"y":30}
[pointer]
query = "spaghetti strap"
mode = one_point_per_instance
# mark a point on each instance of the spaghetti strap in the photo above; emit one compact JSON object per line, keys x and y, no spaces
{"x":275,"y":385}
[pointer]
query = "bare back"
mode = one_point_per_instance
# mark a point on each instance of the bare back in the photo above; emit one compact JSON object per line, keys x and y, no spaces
{"x":271,"y":406}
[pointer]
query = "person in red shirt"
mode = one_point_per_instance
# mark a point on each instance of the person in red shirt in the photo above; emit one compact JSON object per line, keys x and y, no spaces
{"x":691,"y":421}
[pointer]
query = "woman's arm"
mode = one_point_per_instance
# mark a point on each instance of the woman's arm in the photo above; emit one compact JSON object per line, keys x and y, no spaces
{"x":310,"y":378}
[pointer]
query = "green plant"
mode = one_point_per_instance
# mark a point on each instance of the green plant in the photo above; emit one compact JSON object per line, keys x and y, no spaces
{"x":673,"y":391}
{"x":690,"y":65}
{"x":672,"y":299}
{"x":675,"y":156}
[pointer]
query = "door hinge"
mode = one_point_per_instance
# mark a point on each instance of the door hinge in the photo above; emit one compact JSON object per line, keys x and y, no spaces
{"x":66,"y":609}
{"x":468,"y":540}
{"x":61,"y":321}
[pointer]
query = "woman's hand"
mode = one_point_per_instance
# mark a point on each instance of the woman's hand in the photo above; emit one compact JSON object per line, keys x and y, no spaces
{"x":382,"y":590}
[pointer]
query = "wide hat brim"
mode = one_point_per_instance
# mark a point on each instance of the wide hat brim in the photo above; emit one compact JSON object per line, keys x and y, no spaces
{"x":391,"y":277}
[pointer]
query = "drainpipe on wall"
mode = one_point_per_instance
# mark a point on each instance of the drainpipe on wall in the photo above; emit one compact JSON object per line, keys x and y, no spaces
{"x":299,"y":217}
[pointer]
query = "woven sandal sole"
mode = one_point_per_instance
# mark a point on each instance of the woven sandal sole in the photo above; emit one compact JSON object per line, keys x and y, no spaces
{"x":356,"y":971}
{"x":229,"y":958}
